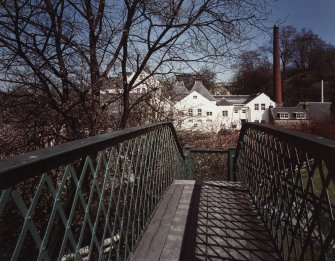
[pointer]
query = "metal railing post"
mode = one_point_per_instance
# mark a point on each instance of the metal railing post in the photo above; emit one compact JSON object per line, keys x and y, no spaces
{"x":188,"y":161}
{"x":230,"y":163}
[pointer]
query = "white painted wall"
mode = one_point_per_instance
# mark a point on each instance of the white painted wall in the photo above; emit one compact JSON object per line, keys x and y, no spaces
{"x":260,"y":114}
{"x":235,"y":113}
{"x":204,"y":122}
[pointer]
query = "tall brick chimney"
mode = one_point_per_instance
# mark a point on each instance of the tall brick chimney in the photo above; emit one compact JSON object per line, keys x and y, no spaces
{"x":277,"y":89}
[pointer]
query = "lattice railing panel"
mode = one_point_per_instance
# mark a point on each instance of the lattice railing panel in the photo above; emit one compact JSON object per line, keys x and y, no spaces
{"x":292,"y":180}
{"x":93,"y":207}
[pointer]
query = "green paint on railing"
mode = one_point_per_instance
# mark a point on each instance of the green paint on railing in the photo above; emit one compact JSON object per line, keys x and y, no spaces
{"x":95,"y":207}
{"x":291,"y":176}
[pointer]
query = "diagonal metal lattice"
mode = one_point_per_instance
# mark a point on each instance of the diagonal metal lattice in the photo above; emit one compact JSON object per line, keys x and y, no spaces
{"x":89,"y":206}
{"x":291,"y":177}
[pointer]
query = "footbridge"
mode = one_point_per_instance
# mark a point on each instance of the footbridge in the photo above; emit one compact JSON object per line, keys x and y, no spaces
{"x":136,"y":194}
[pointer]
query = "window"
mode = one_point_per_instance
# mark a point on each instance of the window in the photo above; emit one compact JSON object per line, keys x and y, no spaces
{"x":138,"y":90}
{"x":256,"y":121}
{"x":282,"y":115}
{"x":262,"y":121}
{"x":195,"y":97}
{"x":199,"y":112}
{"x":195,"y":125}
{"x":244,"y":111}
{"x":236,"y":111}
{"x":209,"y":113}
{"x":225,"y":113}
{"x":143,"y":89}
{"x":256,"y":106}
{"x":299,"y":115}
{"x":263,"y":106}
{"x":190,"y":112}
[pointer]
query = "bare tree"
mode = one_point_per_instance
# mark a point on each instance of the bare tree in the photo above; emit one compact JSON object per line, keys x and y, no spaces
{"x":287,"y":37}
{"x":253,"y":73}
{"x":65,"y":49}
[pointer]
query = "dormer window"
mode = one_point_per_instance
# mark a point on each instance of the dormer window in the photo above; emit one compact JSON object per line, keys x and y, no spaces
{"x":282,"y":115}
{"x":299,"y":115}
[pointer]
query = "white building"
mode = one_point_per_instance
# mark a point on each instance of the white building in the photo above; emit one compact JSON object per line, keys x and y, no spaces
{"x":144,"y":83}
{"x":145,"y":95}
{"x":200,"y":111}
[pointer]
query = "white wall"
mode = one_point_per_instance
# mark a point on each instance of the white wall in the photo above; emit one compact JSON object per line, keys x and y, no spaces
{"x":260,"y":114}
{"x":145,"y":86}
{"x":203,"y":122}
{"x":216,"y":122}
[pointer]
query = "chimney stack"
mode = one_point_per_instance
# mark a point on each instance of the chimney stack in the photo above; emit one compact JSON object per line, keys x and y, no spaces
{"x":277,"y":89}
{"x":322,"y":91}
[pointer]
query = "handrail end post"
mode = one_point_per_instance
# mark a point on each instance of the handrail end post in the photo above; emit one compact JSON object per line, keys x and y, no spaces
{"x":230,"y":163}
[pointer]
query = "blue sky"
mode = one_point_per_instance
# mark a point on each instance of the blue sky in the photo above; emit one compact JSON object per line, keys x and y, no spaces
{"x":318,"y":15}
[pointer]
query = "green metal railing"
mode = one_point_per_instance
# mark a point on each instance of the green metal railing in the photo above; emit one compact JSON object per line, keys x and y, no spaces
{"x":210,"y":164}
{"x":89,"y":199}
{"x":291,"y":176}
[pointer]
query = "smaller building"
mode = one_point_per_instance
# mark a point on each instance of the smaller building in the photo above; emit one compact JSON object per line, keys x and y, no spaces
{"x":288,"y":116}
{"x":317,"y":110}
{"x":303,"y":113}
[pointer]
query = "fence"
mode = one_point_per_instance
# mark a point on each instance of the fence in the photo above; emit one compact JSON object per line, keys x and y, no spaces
{"x":291,"y":177}
{"x":210,"y":164}
{"x":87,"y":199}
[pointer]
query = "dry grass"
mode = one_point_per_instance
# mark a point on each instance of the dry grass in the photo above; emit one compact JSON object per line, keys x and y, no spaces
{"x":199,"y":140}
{"x":322,"y":127}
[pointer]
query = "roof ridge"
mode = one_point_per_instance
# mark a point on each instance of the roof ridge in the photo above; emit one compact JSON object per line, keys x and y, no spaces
{"x":201,"y":89}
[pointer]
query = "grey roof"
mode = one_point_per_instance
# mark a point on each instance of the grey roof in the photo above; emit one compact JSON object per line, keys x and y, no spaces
{"x":180,"y":89}
{"x":225,"y":100}
{"x":317,"y":110}
{"x":201,"y":89}
{"x":290,"y":111}
{"x":251,"y":97}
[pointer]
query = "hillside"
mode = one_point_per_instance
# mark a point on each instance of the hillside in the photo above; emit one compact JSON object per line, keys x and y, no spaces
{"x":306,"y":86}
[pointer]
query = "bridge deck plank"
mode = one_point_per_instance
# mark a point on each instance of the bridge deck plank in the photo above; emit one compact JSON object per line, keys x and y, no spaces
{"x":206,"y":221}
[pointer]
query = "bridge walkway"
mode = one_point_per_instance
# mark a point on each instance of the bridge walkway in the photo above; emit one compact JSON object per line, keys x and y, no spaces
{"x":214,"y":220}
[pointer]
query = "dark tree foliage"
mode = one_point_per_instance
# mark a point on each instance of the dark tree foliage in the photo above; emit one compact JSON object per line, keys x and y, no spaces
{"x":254,"y":74}
{"x":306,"y":60}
